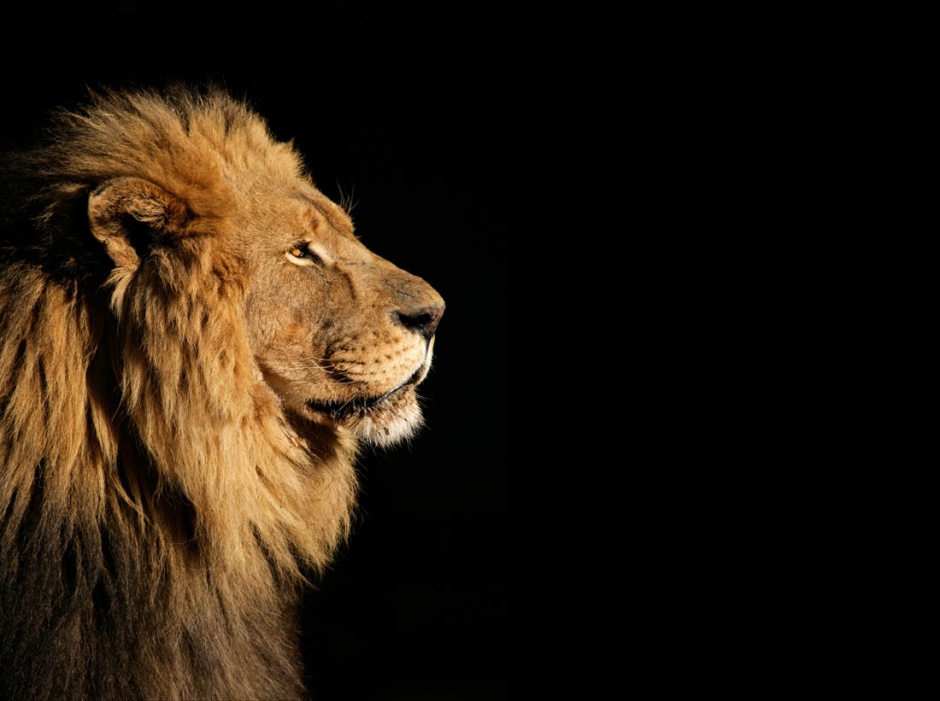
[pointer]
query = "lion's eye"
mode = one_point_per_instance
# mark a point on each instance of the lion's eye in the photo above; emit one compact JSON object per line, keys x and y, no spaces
{"x":300,"y":254}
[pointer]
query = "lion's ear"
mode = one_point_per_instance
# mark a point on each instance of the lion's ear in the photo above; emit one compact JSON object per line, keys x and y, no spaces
{"x":130,"y":215}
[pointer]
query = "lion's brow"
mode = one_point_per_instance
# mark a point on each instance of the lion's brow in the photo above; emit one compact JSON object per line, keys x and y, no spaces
{"x":326,"y":208}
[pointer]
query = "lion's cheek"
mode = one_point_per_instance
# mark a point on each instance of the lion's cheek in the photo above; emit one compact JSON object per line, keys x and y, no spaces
{"x":286,"y":351}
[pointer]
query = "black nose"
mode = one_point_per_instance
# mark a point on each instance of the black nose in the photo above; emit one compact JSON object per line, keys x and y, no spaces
{"x":424,"y":320}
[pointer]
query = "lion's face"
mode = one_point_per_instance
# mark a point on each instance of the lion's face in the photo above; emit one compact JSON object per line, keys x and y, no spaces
{"x":341,"y":335}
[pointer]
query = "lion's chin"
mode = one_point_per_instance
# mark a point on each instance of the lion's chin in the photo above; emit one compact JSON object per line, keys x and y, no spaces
{"x":393,"y":421}
{"x":380,"y":421}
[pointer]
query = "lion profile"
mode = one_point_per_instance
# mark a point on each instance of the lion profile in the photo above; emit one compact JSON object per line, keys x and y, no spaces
{"x":195,"y":346}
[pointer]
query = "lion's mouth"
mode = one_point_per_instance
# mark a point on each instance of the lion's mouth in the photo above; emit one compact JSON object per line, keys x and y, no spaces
{"x":359,"y":406}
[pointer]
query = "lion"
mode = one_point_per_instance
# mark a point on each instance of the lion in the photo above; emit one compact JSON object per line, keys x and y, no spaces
{"x":195,"y":349}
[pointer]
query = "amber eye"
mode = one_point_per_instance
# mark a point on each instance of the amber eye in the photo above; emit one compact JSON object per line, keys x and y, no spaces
{"x":301,"y":254}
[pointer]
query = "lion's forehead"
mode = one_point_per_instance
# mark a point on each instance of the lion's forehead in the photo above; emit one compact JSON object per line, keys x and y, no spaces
{"x":301,"y":211}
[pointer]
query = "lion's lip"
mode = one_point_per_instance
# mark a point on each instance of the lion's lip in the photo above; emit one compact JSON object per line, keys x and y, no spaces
{"x":362,"y":405}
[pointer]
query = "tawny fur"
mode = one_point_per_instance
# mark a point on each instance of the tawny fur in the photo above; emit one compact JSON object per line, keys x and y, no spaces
{"x":160,"y":500}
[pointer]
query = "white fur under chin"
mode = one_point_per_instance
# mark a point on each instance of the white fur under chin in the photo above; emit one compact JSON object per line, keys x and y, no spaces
{"x":389,"y":427}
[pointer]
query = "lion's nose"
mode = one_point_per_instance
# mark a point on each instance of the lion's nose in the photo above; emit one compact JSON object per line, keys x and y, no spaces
{"x":423,"y":320}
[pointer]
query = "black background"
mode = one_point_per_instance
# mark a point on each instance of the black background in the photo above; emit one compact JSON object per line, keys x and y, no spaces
{"x":412,"y":114}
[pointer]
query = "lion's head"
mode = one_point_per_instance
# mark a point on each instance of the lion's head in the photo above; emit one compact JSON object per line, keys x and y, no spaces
{"x":341,"y":336}
{"x":195,"y":344}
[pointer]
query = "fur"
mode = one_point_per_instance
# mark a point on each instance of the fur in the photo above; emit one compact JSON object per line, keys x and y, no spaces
{"x":161,"y":501}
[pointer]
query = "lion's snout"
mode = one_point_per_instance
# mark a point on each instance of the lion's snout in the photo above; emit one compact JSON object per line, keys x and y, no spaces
{"x":417,"y":306}
{"x":424,"y":320}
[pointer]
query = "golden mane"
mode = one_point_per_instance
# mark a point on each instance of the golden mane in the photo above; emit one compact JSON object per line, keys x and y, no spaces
{"x":151,"y":480}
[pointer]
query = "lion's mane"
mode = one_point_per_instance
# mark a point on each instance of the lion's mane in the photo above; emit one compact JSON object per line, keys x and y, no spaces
{"x":150,"y":483}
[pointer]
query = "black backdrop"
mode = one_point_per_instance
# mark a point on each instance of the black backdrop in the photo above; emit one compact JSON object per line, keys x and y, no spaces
{"x":411,"y":115}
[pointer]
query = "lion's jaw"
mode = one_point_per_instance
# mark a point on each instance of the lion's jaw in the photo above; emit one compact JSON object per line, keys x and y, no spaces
{"x":379,"y":419}
{"x":373,"y":414}
{"x":391,"y":418}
